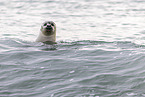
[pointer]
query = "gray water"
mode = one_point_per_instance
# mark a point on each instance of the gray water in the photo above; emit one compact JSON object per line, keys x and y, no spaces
{"x":100,"y":48}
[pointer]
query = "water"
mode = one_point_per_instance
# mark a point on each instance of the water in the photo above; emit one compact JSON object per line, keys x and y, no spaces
{"x":100,"y":49}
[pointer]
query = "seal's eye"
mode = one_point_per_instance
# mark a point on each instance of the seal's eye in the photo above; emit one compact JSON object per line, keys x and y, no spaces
{"x":52,"y":24}
{"x":45,"y":24}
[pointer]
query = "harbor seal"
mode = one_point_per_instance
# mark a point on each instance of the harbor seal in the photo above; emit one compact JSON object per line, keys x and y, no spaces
{"x":47,"y":32}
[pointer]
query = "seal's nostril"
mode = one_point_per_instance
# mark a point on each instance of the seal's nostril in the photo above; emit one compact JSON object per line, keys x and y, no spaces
{"x":48,"y":25}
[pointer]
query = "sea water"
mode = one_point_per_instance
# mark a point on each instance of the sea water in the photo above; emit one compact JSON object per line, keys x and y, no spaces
{"x":100,"y":50}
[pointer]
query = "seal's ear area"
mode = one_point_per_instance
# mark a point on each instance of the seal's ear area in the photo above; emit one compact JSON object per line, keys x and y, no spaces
{"x":41,"y":28}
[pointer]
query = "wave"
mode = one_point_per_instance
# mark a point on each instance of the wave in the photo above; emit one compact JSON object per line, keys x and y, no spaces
{"x":9,"y":44}
{"x":98,"y":66}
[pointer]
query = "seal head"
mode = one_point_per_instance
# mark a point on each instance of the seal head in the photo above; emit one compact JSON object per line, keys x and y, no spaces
{"x":48,"y":28}
{"x":47,"y":32}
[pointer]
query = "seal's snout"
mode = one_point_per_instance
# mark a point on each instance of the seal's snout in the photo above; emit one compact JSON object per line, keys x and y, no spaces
{"x":49,"y":27}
